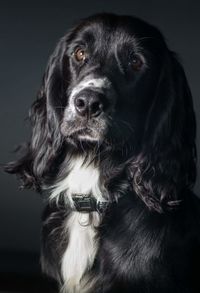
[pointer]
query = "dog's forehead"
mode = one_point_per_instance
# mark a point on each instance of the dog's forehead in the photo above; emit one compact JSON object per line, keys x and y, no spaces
{"x":106,"y":33}
{"x":106,"y":30}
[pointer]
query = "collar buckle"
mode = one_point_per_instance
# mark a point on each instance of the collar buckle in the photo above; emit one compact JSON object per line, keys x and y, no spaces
{"x":87,"y":203}
{"x":84,"y":203}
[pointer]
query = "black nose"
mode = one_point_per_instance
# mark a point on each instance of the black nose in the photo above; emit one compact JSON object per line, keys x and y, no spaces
{"x":89,"y":104}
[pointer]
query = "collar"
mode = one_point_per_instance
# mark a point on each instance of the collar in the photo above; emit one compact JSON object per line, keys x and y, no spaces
{"x":87,"y":203}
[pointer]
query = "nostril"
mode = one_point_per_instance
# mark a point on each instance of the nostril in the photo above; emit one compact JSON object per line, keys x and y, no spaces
{"x":80,"y":103}
{"x":96,"y":108}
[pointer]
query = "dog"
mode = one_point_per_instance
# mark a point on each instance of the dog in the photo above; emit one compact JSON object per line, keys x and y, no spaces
{"x":113,"y":153}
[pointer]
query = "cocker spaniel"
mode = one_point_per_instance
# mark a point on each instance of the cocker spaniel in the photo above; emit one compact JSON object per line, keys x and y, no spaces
{"x":113,"y":153}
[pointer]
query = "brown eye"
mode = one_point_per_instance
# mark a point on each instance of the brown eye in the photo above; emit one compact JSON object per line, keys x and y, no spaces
{"x":80,"y":55}
{"x":136,"y":62}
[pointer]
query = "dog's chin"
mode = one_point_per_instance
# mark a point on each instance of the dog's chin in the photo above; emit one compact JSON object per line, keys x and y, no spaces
{"x":87,"y":138}
{"x":84,"y":136}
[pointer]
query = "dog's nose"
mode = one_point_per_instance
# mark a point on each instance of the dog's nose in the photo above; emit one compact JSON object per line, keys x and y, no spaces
{"x":89,"y":104}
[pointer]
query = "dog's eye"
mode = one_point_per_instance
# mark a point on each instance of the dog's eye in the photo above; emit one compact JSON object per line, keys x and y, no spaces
{"x":79,"y":55}
{"x":136,"y":62}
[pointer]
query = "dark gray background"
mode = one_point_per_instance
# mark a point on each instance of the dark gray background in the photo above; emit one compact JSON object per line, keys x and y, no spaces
{"x":28,"y":33}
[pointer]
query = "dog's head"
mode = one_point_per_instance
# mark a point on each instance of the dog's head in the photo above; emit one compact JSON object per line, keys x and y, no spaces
{"x":111,"y":71}
{"x":113,"y":82}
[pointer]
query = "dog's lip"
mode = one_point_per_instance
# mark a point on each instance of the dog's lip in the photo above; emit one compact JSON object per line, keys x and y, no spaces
{"x":84,"y":134}
{"x":83,"y":131}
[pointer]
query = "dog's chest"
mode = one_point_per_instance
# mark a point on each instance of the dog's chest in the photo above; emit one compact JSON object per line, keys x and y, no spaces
{"x":83,"y":179}
{"x":80,"y":252}
{"x":82,"y":246}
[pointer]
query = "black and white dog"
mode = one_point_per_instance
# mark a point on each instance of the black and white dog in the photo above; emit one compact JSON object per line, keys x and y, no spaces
{"x":113,"y":151}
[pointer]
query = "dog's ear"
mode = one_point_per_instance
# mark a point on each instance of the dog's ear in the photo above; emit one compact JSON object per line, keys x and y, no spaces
{"x":46,"y":139}
{"x":167,"y":163}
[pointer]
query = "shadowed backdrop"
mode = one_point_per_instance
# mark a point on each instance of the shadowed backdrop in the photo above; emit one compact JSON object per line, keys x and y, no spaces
{"x":28,"y":34}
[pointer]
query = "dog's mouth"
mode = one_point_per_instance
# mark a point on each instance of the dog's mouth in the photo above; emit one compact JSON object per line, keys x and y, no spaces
{"x":73,"y":131}
{"x":95,"y":131}
{"x":84,"y":134}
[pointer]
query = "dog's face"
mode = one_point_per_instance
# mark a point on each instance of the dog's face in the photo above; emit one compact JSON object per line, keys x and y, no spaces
{"x":112,"y":72}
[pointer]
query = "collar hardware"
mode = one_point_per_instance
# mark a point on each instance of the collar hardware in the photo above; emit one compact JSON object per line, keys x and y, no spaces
{"x":87,"y":203}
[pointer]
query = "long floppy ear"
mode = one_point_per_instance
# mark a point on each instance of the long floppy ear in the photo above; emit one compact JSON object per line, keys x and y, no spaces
{"x":166,"y":166}
{"x":46,"y":140}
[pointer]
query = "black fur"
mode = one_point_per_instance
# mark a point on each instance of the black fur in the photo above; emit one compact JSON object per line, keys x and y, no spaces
{"x":145,"y":150}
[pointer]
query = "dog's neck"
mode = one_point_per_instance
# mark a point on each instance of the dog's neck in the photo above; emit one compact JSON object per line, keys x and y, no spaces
{"x":85,"y":177}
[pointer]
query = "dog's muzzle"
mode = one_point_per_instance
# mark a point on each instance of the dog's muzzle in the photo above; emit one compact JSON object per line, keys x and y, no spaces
{"x":85,"y":117}
{"x":88,"y":98}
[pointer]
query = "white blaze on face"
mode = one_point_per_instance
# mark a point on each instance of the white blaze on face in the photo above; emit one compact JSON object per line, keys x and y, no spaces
{"x":91,"y":83}
{"x":99,"y":84}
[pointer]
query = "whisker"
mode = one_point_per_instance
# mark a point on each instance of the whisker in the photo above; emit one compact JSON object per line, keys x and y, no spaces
{"x":144,"y":38}
{"x":127,"y":124}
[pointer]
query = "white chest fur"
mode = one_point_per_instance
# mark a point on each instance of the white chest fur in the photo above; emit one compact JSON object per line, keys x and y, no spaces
{"x":83,"y":178}
{"x":80,"y":253}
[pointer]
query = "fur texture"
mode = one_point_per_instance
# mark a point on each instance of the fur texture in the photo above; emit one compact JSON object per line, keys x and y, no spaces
{"x":114,"y":120}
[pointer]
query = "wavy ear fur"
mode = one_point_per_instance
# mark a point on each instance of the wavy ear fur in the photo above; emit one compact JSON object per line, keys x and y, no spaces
{"x":167,"y":163}
{"x":46,"y":140}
